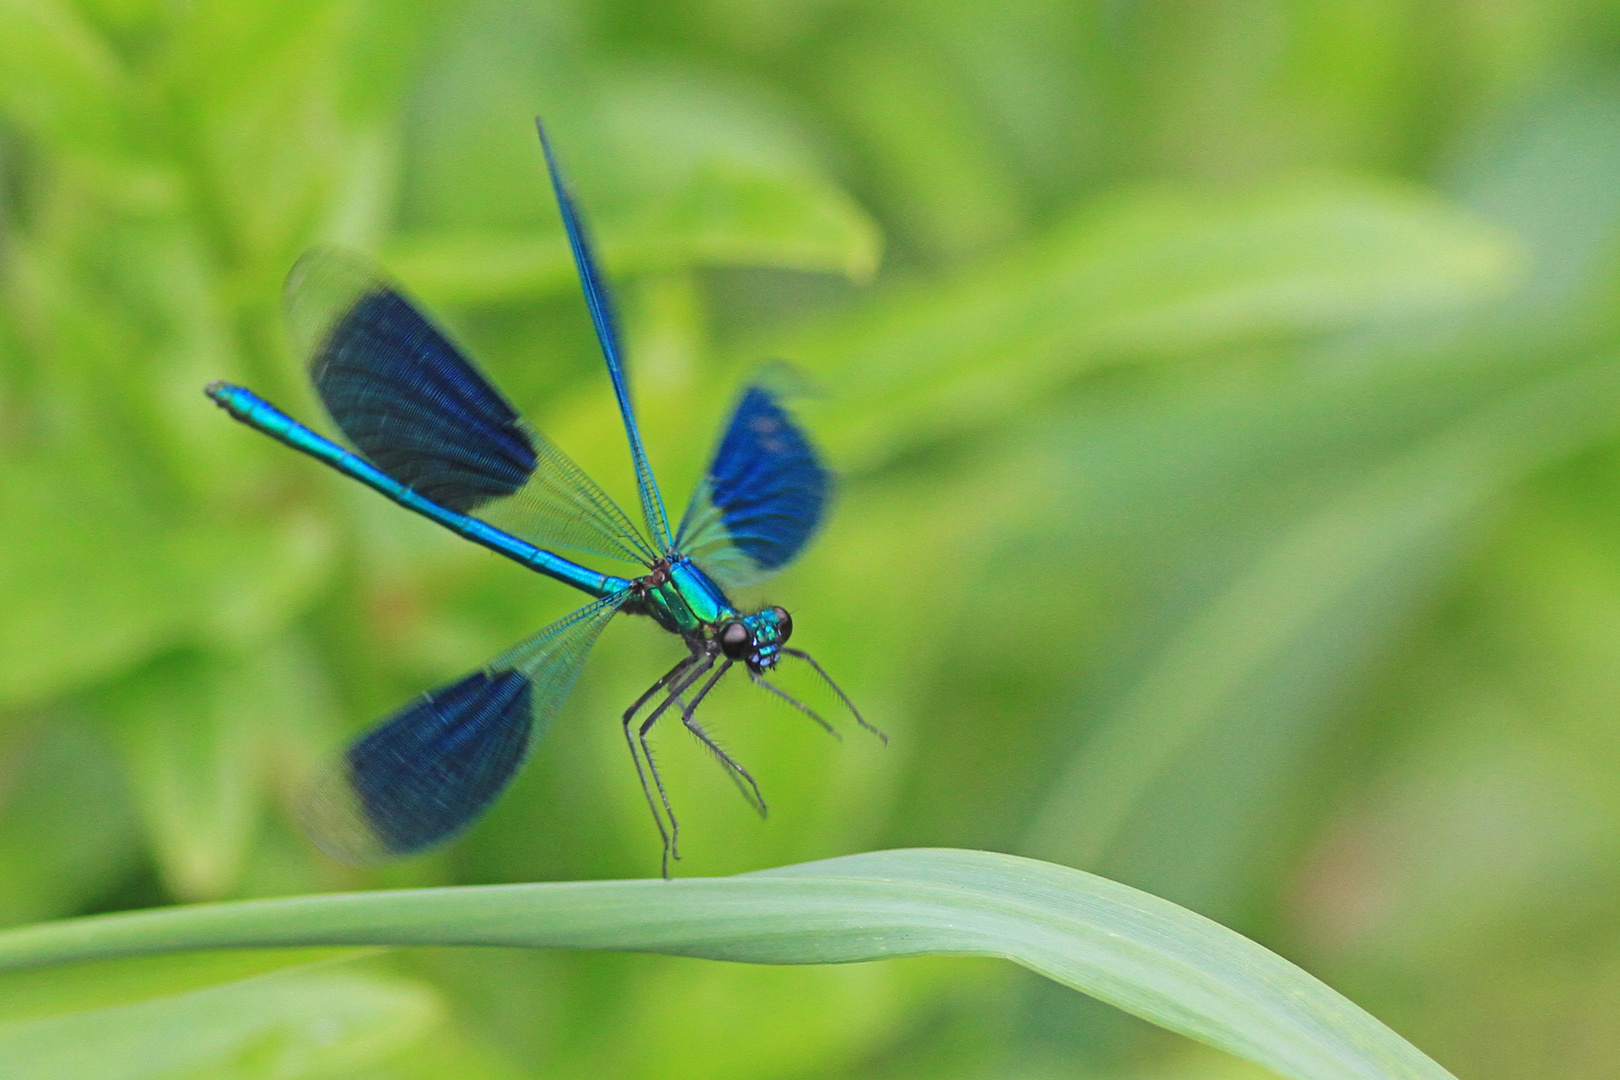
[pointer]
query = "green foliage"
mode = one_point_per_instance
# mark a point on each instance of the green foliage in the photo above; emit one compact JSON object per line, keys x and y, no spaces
{"x":1226,"y":398}
{"x":294,"y":1025}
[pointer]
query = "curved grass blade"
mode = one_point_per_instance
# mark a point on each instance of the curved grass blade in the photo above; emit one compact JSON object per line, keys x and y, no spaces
{"x":764,"y":494}
{"x":417,"y":408}
{"x":607,"y":333}
{"x":1142,"y":954}
{"x":429,"y":770}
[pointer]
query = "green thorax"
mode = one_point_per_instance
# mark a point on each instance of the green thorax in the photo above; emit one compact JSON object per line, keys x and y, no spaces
{"x":682,"y":598}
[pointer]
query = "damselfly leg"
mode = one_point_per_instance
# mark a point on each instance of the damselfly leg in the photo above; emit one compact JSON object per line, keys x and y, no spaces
{"x":739,"y":775}
{"x":676,"y":676}
{"x":691,"y":670}
{"x":848,"y":704}
{"x":759,"y":680}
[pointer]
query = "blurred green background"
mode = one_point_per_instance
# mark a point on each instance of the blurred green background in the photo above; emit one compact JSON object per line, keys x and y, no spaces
{"x":1227,"y":402}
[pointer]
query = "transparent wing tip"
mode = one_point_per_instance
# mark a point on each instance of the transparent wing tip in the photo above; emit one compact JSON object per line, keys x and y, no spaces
{"x":323,"y":285}
{"x":337,"y":822}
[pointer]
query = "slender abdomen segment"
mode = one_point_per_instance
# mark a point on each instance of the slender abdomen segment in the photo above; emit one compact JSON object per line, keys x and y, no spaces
{"x":251,"y":409}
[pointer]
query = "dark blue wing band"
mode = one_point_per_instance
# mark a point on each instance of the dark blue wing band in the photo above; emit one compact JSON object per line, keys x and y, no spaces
{"x":426,"y":772}
{"x":422,"y":775}
{"x":767,"y":481}
{"x":416,"y":408}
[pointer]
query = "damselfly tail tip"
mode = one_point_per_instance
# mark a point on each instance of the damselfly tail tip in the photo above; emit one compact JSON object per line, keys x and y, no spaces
{"x":228,"y":396}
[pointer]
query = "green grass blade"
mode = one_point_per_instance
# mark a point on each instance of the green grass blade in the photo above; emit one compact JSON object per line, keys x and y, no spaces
{"x":1142,"y":954}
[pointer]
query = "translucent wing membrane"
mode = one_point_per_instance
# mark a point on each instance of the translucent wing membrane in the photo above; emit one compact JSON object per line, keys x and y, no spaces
{"x":428,"y":771}
{"x":602,"y":316}
{"x":417,"y":408}
{"x":764,"y":493}
{"x":562,"y":507}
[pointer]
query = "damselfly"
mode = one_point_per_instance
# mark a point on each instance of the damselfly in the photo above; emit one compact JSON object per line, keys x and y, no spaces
{"x":435,"y":436}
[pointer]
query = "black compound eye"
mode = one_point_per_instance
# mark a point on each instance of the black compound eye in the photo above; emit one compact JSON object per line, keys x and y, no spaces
{"x":735,"y":640}
{"x":784,"y":623}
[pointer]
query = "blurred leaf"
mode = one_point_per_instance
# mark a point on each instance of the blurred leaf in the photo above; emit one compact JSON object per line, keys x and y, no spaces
{"x":1238,"y":92}
{"x":1380,"y":536}
{"x":951,"y":191}
{"x":724,"y":216}
{"x":110,"y":984}
{"x":81,"y":594}
{"x":1142,"y":277}
{"x":248,"y":581}
{"x":1143,"y":954}
{"x":282,"y":109}
{"x":92,"y":581}
{"x":68,"y":829}
{"x":1498,"y":811}
{"x":277,"y":1027}
{"x":60,"y":78}
{"x":704,"y":1020}
{"x":443,"y":1053}
{"x":196,"y":730}
{"x":1209,"y":797}
{"x":1224,"y":487}
{"x":1546,"y":169}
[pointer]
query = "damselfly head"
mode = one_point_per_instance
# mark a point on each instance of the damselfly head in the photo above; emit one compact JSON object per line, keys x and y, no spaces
{"x":756,"y":639}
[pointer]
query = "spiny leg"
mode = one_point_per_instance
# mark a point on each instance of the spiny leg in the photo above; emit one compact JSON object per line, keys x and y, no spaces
{"x":759,"y":680}
{"x":680,"y":686}
{"x":726,"y":761}
{"x":848,"y":704}
{"x":664,"y":681}
{"x":739,"y":775}
{"x":746,"y":787}
{"x":674,"y":673}
{"x":672,"y":841}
